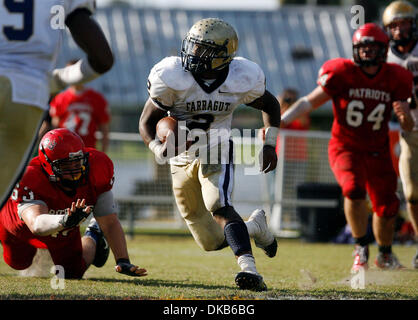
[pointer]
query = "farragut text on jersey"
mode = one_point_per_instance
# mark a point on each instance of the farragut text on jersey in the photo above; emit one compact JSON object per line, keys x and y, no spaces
{"x":207,"y":105}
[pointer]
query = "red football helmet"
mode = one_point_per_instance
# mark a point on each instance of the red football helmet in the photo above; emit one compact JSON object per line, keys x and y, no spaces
{"x":370,"y":33}
{"x":63,"y":157}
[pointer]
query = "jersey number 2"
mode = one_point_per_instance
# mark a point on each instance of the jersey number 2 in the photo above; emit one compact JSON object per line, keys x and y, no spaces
{"x":25,"y":8}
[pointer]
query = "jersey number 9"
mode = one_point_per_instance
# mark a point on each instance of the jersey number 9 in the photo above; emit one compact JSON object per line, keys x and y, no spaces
{"x":25,"y":8}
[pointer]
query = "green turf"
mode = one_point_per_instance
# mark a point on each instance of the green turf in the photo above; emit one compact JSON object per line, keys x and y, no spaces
{"x":179,"y":269}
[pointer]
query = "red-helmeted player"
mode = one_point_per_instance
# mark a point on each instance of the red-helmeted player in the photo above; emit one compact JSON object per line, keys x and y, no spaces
{"x":364,"y":91}
{"x":84,"y":111}
{"x":59,"y":189}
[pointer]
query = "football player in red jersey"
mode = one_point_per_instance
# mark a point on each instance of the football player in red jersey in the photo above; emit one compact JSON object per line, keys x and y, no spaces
{"x":58,"y":191}
{"x":82,"y":110}
{"x":364,"y":91}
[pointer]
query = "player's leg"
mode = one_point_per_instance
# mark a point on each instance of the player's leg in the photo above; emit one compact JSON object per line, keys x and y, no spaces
{"x":19,"y":125}
{"x":350,"y":174}
{"x":381,"y":187}
{"x":217,"y":185}
{"x":67,"y":251}
{"x":17,"y":253}
{"x":408,"y":170}
{"x":188,"y":195}
{"x":95,"y":247}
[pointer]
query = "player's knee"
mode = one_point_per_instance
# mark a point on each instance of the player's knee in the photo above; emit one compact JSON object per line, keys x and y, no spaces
{"x":411,"y":197}
{"x":387,"y":210}
{"x":227,"y":213}
{"x":18,"y":263}
{"x":353,"y":192}
{"x":213,"y":245}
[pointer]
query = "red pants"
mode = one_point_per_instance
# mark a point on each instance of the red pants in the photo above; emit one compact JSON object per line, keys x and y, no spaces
{"x":360,"y":172}
{"x":20,"y":247}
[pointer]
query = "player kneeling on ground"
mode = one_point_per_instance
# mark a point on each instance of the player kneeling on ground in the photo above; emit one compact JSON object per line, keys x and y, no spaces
{"x":58,"y":191}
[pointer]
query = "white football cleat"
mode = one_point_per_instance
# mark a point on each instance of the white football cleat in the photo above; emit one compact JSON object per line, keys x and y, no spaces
{"x":263,"y":239}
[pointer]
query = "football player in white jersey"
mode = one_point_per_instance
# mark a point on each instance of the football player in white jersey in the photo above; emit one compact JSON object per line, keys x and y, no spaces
{"x":201,"y":89}
{"x":30,"y":36}
{"x":399,"y":20}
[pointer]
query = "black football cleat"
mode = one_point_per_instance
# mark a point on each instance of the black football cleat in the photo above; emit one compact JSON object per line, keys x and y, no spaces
{"x":250,"y":281}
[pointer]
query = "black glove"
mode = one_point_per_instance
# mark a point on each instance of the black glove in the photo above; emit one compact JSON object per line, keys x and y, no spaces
{"x":268,"y":159}
{"x":125,"y":266}
{"x":73,"y":219}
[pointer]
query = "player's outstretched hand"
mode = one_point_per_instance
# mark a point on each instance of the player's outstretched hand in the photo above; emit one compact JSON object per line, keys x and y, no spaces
{"x":124,"y":266}
{"x":268,"y":159}
{"x":76,"y":214}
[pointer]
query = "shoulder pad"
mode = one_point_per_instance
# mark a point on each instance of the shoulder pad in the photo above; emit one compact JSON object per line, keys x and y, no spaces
{"x":244,"y":75}
{"x":171,"y":72}
{"x":101,"y":170}
{"x":335,"y":65}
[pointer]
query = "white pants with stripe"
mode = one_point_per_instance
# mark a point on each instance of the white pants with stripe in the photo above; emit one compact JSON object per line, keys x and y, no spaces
{"x":200,"y":190}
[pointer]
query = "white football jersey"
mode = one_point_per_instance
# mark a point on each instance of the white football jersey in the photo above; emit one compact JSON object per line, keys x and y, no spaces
{"x":208,"y":107}
{"x":30,"y":37}
{"x":410,"y":62}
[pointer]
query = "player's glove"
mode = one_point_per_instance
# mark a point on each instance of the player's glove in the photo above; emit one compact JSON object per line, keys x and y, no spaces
{"x":74,"y":218}
{"x":124,"y":266}
{"x":268,"y":158}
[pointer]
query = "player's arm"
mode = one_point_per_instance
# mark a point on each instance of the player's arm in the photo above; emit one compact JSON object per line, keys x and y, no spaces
{"x":148,"y":121}
{"x":109,"y":223}
{"x":304,"y":105}
{"x":270,"y":108}
{"x":147,"y":128}
{"x":40,"y":223}
{"x":402,"y":112}
{"x":104,"y":129}
{"x":88,"y":35}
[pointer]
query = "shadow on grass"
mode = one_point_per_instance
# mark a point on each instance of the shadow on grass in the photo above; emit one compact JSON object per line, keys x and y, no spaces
{"x":337,"y":294}
{"x":159,"y":283}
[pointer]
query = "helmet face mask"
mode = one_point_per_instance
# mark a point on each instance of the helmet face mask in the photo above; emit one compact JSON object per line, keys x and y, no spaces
{"x":62,"y":156}
{"x":367,"y":39}
{"x":209,"y":45}
{"x":407,"y":31}
{"x":363,"y":49}
{"x":397,"y":13}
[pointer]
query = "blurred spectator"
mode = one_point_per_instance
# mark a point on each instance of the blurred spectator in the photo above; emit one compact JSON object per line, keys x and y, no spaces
{"x":84,"y":111}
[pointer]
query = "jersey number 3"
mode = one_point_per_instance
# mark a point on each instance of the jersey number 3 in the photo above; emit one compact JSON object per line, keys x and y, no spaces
{"x":354,"y":116}
{"x":25,"y":8}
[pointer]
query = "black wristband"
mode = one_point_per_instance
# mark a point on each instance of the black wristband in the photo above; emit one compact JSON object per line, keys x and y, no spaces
{"x":123,"y":260}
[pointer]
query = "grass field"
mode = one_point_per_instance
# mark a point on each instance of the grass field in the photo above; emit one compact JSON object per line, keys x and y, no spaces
{"x":179,"y":269}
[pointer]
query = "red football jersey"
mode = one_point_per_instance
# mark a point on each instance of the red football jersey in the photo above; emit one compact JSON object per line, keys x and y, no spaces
{"x":81,"y":112}
{"x":35,"y":185}
{"x":362,"y":105}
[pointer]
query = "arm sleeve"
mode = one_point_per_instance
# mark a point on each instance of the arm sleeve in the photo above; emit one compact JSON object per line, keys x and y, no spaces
{"x":105,"y":205}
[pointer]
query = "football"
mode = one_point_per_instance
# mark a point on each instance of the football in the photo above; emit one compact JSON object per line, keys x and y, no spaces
{"x":164,"y":126}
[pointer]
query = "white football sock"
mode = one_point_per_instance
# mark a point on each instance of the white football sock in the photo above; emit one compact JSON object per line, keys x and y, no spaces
{"x":247,"y":263}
